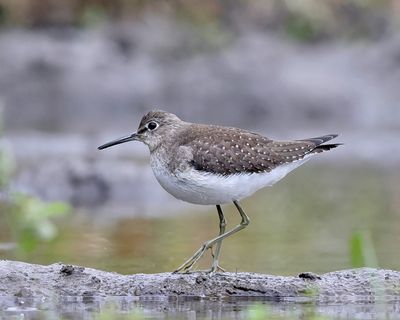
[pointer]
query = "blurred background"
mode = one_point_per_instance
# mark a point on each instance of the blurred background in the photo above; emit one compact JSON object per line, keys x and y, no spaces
{"x":75,"y":74}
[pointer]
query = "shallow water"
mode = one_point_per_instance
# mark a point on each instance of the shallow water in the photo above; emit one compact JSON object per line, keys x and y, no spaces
{"x":304,"y":223}
{"x":135,"y":308}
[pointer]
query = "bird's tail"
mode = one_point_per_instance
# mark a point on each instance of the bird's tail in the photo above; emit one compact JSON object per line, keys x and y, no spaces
{"x":318,"y":141}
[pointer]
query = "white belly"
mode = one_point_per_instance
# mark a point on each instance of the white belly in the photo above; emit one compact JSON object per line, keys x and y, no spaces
{"x":201,"y":187}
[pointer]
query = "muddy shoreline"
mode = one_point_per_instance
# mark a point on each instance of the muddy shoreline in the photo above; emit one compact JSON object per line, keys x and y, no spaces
{"x":365,"y":285}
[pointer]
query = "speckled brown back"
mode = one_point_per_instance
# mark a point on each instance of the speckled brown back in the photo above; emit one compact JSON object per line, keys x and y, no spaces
{"x":225,"y":151}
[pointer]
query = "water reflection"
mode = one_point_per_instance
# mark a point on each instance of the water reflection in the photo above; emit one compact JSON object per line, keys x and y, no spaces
{"x":136,"y":308}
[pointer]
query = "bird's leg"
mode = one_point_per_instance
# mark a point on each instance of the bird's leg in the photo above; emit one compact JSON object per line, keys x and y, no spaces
{"x":187,"y":266}
{"x":222,"y":224}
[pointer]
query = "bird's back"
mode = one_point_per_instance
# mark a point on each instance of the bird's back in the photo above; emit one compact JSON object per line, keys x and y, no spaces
{"x":226,"y":150}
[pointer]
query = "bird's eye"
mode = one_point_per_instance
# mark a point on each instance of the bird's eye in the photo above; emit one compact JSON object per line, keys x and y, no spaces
{"x":152,"y":125}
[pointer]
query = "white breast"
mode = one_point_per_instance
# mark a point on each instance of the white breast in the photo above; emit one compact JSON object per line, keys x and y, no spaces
{"x":201,"y":187}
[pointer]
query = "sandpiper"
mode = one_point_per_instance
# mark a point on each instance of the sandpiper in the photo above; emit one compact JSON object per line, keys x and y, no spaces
{"x":215,"y":165}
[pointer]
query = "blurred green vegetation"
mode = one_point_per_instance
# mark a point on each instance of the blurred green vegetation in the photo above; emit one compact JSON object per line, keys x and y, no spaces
{"x":362,"y":250}
{"x":27,"y":220}
{"x":302,"y":20}
{"x":31,"y":221}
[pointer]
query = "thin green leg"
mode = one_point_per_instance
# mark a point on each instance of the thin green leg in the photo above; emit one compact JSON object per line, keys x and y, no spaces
{"x":187,"y":266}
{"x":222,"y":224}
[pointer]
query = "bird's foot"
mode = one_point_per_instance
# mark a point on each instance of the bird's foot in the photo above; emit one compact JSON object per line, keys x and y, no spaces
{"x":189,"y":264}
{"x":218,"y":269}
{"x":215,"y":266}
{"x":214,"y":270}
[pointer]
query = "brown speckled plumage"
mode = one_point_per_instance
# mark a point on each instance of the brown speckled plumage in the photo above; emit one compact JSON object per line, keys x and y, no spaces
{"x":225,"y":151}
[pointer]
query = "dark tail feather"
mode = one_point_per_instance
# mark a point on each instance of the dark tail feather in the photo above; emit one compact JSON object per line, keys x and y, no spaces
{"x":319,"y":146}
{"x":325,"y":147}
{"x":322,"y":139}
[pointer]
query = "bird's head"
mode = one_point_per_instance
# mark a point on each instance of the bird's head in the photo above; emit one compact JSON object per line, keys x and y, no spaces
{"x":155,"y":127}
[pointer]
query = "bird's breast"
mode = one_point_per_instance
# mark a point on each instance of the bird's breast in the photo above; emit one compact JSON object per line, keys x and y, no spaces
{"x":171,"y":179}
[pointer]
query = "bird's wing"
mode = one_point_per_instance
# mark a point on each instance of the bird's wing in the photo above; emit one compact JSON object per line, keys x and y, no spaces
{"x":226,"y":151}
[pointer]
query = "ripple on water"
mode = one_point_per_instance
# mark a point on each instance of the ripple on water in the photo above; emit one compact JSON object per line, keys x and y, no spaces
{"x":189,"y":307}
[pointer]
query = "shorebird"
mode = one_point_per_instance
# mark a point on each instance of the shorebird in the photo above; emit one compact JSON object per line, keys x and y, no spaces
{"x":215,"y":165}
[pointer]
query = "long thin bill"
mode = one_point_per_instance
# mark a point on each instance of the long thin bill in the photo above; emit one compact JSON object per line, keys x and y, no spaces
{"x":131,"y":137}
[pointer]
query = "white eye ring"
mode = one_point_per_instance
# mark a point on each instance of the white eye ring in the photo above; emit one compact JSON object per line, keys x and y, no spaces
{"x":152,"y":125}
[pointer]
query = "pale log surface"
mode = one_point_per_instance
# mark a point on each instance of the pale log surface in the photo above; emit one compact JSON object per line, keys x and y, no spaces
{"x":356,"y":285}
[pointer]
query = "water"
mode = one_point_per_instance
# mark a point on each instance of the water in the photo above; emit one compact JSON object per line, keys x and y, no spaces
{"x":134,"y":308}
{"x":304,"y":223}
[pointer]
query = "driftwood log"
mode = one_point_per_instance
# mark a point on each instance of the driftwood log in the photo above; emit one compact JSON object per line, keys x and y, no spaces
{"x":363,"y":285}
